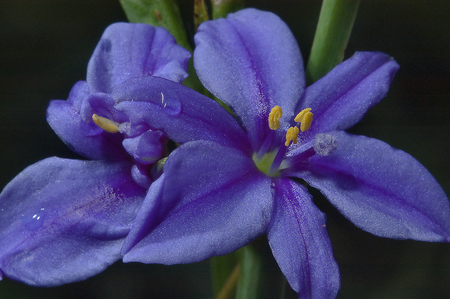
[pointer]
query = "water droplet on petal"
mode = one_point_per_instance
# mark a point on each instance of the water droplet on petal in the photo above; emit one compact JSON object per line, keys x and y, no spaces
{"x":105,"y":45}
{"x":34,"y":221}
{"x":171,"y":105}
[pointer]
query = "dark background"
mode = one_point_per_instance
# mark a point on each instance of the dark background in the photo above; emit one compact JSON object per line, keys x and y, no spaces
{"x":44,"y":49}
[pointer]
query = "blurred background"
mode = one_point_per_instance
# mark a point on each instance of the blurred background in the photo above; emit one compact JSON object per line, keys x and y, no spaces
{"x":44,"y":49}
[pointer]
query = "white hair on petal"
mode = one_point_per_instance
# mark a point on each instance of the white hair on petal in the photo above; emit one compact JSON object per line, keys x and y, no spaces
{"x":125,"y":128}
{"x":325,"y":144}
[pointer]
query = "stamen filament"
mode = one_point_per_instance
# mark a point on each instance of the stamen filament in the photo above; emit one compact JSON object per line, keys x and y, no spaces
{"x":299,"y":155}
{"x":265,"y":146}
{"x":277,"y":161}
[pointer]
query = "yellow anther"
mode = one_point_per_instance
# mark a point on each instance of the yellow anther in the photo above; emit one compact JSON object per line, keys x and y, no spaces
{"x":306,"y":123}
{"x":105,"y":123}
{"x":274,"y":117}
{"x":291,"y":135}
{"x":301,"y":115}
{"x":305,"y":117}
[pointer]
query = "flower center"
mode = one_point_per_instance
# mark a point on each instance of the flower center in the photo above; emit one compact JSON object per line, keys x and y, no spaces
{"x":265,"y":163}
{"x":268,"y":159}
{"x":305,"y":118}
{"x":146,"y":147}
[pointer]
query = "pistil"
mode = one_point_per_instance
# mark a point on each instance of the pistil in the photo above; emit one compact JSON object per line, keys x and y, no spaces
{"x":322,"y":144}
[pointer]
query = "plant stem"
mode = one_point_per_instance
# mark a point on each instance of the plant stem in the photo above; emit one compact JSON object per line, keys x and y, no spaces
{"x":230,"y":285}
{"x":332,"y":34}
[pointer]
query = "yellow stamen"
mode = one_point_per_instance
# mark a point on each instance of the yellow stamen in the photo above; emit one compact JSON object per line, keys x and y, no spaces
{"x":301,"y":114}
{"x":305,"y":117}
{"x":306,"y":123}
{"x":291,"y":135}
{"x":274,"y":117}
{"x":106,"y":124}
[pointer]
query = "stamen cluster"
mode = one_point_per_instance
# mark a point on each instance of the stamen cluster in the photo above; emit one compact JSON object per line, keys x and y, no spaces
{"x":304,"y":117}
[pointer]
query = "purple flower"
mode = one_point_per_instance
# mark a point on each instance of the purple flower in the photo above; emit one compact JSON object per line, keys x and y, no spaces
{"x":237,"y":179}
{"x":65,"y":220}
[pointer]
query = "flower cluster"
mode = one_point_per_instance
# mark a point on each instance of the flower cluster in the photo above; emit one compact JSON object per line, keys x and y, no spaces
{"x":234,"y":176}
{"x":65,"y":220}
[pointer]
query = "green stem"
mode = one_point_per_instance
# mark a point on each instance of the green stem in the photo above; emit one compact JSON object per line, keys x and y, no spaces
{"x":221,"y":269}
{"x":200,"y":13}
{"x":251,"y":264}
{"x":230,"y":284}
{"x":221,"y":8}
{"x":237,"y":273}
{"x":163,"y":13}
{"x":283,"y":287}
{"x":332,"y":34}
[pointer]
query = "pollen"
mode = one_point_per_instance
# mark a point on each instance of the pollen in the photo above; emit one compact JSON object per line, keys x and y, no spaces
{"x":291,"y":135}
{"x":305,"y":117}
{"x":105,"y":123}
{"x":274,"y":117}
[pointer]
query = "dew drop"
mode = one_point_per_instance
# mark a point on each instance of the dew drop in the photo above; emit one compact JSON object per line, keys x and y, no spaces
{"x":170,"y":105}
{"x":272,"y":189}
{"x":105,"y":45}
{"x":34,"y":221}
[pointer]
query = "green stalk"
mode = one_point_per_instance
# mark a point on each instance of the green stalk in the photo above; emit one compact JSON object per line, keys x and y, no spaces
{"x":332,"y":34}
{"x":229,"y":286}
{"x":250,"y":276}
{"x":237,"y":274}
{"x":222,"y":268}
{"x":200,"y":13}
{"x":163,"y":13}
{"x":221,"y":8}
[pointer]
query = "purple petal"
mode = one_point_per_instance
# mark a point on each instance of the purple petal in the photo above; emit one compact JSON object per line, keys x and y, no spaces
{"x":146,"y":148}
{"x":180,"y":112}
{"x":65,"y":220}
{"x":101,"y":104}
{"x":341,"y":98}
{"x":210,"y":201}
{"x":86,"y":139}
{"x":251,"y":61}
{"x":133,"y":50}
{"x":142,"y":175}
{"x":382,"y":190}
{"x":300,"y":243}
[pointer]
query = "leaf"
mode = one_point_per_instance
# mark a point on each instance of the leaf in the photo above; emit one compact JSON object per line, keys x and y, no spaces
{"x":163,"y":13}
